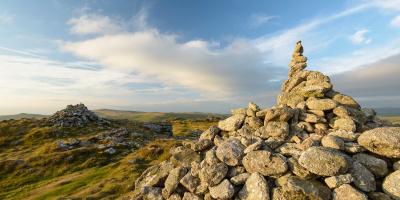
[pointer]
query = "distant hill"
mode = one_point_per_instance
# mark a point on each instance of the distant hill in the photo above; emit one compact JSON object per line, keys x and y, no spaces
{"x":155,"y":116}
{"x":21,"y":115}
{"x":388,"y":111}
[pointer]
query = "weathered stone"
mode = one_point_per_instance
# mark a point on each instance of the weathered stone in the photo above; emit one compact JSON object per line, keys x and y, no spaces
{"x":317,"y":90}
{"x":201,"y":144}
{"x":347,"y":192}
{"x":396,"y":165}
{"x":254,"y":147}
{"x":254,"y":107}
{"x":240,"y":179}
{"x":174,"y":196}
{"x":319,"y":113}
{"x":224,"y":190}
{"x":336,"y":181}
{"x":234,"y":171}
{"x":321,"y":104}
{"x":254,"y":122}
{"x":210,"y":133}
{"x":210,"y":157}
{"x":391,"y":185}
{"x":332,"y":142}
{"x":378,"y":196}
{"x":230,"y":152}
{"x":305,"y":126}
{"x":297,"y":188}
{"x":232,"y":123}
{"x":345,"y":135}
{"x":298,"y":170}
{"x":345,"y":100}
{"x":172,"y":180}
{"x":324,"y":161}
{"x":191,"y":196}
{"x":346,"y":124}
{"x":213,"y":174}
{"x":383,"y":141}
{"x":152,"y":193}
{"x":265,"y":163}
{"x":190,"y":182}
{"x":184,"y":156}
{"x":363,"y":179}
{"x":352,"y":147}
{"x":256,"y":187}
{"x":311,"y":118}
{"x":290,"y":99}
{"x":154,"y":176}
{"x":279,"y":114}
{"x":341,"y":111}
{"x":289,"y":149}
{"x":277,"y":129}
{"x":375,"y":165}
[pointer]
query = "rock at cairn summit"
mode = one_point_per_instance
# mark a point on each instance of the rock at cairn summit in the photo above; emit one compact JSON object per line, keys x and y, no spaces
{"x":314,"y":144}
{"x":74,"y":116}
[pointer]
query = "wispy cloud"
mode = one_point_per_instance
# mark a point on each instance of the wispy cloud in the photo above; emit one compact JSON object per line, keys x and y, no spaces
{"x":359,"y":37}
{"x":258,"y":20}
{"x":95,"y":24}
{"x":6,"y":18}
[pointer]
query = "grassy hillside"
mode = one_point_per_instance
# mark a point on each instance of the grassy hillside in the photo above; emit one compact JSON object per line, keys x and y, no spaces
{"x":21,"y":116}
{"x":154,"y":116}
{"x":392,"y":119}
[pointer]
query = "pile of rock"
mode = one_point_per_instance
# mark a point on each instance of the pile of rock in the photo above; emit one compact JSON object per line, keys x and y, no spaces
{"x":74,"y":116}
{"x":316,"y":143}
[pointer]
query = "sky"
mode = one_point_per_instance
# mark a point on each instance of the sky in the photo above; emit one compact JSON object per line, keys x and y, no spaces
{"x":187,"y":55}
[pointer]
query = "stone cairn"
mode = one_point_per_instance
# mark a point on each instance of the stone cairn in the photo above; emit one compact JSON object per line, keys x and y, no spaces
{"x":74,"y":116}
{"x":315,"y":144}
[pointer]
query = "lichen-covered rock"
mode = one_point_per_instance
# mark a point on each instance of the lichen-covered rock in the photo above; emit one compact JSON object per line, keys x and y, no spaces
{"x":297,"y":188}
{"x":152,"y":193}
{"x":191,"y":196}
{"x":240,"y":179}
{"x":332,"y":142}
{"x":277,"y":129}
{"x":336,"y":181}
{"x":232,"y":123}
{"x":384,"y":141}
{"x":224,"y":190}
{"x":324,"y":161}
{"x":230,"y":152}
{"x":321,"y":104}
{"x":154,"y":175}
{"x":391,"y":185}
{"x":363,"y":178}
{"x":265,"y":163}
{"x":256,"y":187}
{"x":378,"y":196}
{"x":210,"y":133}
{"x":213,"y":174}
{"x":345,"y":135}
{"x":346,"y":124}
{"x":172,"y":180}
{"x":184,"y":156}
{"x":190,"y":182}
{"x":377,"y":166}
{"x":347,"y":192}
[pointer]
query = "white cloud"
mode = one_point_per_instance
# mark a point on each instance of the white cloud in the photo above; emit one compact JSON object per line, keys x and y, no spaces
{"x":395,"y":21}
{"x":359,"y":37}
{"x":94,"y":24}
{"x":257,"y":20}
{"x":6,"y":18}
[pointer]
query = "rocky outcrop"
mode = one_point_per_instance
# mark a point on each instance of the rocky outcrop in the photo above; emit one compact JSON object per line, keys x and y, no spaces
{"x":315,"y":144}
{"x":74,"y":116}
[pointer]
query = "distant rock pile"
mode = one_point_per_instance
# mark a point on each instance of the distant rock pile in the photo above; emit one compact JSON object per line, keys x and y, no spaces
{"x":315,"y":144}
{"x":74,"y":116}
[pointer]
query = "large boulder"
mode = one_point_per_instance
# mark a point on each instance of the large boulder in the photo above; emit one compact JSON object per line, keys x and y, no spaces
{"x":384,"y":141}
{"x":324,"y":161}
{"x":213,"y":174}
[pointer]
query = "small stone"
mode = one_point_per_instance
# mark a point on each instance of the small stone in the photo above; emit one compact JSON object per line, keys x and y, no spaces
{"x":319,"y":113}
{"x":298,"y":170}
{"x":172,"y":181}
{"x":232,"y":123}
{"x":210,"y":133}
{"x":336,"y":181}
{"x":341,"y":111}
{"x":265,"y":162}
{"x":347,"y":192}
{"x":332,"y":142}
{"x":240,"y":179}
{"x":345,"y":100}
{"x":377,"y":166}
{"x":391,"y":185}
{"x":345,"y":135}
{"x":174,"y":196}
{"x":363,"y":179}
{"x":254,"y":122}
{"x":383,"y":141}
{"x":110,"y":151}
{"x":201,"y":144}
{"x":279,"y":114}
{"x":324,"y":161}
{"x":224,"y":190}
{"x":352,"y":147}
{"x":321,"y":104}
{"x":210,"y":157}
{"x":230,"y":152}
{"x":152,"y":193}
{"x":311,"y":118}
{"x":255,"y":188}
{"x":346,"y":124}
{"x":254,"y":107}
{"x":254,"y":147}
{"x":297,"y":188}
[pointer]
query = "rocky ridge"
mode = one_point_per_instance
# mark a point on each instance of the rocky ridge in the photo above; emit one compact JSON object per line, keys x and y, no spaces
{"x":315,"y":144}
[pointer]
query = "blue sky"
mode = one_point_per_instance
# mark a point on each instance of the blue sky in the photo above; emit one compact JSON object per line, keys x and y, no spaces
{"x":184,"y":55}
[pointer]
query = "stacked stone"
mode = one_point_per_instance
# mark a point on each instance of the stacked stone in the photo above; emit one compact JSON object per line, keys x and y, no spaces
{"x":74,"y":116}
{"x":316,"y":143}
